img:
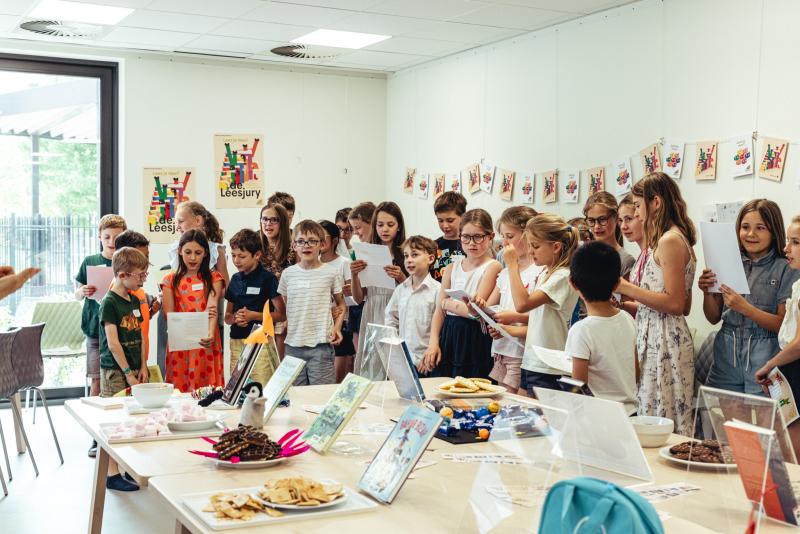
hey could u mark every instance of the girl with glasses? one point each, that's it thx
(601, 213)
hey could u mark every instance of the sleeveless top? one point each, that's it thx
(467, 281)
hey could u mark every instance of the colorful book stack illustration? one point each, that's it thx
(163, 189)
(238, 166)
(166, 197)
(773, 159)
(337, 412)
(705, 167)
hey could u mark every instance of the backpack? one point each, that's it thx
(586, 505)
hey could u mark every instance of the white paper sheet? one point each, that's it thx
(186, 329)
(456, 294)
(377, 257)
(664, 492)
(721, 250)
(557, 359)
(491, 322)
(100, 277)
(781, 391)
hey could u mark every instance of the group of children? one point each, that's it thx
(553, 284)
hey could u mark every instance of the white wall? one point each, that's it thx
(593, 91)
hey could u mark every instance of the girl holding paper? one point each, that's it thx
(194, 288)
(631, 227)
(750, 323)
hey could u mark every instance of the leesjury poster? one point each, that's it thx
(239, 170)
(164, 188)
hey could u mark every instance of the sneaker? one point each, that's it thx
(118, 482)
(129, 478)
(93, 449)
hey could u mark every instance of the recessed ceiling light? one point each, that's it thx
(340, 39)
(80, 12)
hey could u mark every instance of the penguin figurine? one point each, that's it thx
(253, 406)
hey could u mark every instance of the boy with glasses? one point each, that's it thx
(307, 288)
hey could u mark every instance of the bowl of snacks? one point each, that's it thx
(153, 395)
(652, 431)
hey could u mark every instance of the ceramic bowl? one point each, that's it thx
(153, 395)
(652, 431)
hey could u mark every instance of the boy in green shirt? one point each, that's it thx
(123, 359)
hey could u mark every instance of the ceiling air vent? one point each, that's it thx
(300, 51)
(57, 28)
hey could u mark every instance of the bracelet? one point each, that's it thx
(126, 371)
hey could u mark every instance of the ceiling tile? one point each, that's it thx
(423, 47)
(262, 30)
(353, 5)
(427, 9)
(229, 9)
(16, 7)
(9, 22)
(231, 44)
(375, 23)
(569, 6)
(297, 15)
(162, 20)
(135, 4)
(379, 59)
(504, 16)
(152, 37)
(461, 33)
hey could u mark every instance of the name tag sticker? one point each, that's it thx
(137, 313)
(198, 287)
(302, 284)
(253, 290)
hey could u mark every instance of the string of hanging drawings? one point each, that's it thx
(667, 155)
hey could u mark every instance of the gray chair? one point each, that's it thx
(8, 388)
(26, 358)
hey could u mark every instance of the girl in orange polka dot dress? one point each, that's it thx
(194, 288)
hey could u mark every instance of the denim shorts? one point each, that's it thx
(738, 354)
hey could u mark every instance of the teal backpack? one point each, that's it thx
(587, 505)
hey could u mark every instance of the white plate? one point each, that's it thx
(664, 453)
(185, 426)
(247, 465)
(498, 392)
(337, 502)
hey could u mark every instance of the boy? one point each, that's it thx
(249, 291)
(122, 353)
(449, 208)
(602, 345)
(411, 307)
(109, 228)
(306, 288)
(284, 199)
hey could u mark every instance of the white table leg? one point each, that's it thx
(98, 492)
(180, 528)
(17, 431)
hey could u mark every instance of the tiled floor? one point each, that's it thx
(58, 500)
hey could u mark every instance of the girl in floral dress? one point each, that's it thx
(194, 288)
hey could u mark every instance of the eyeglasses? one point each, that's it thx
(303, 243)
(270, 220)
(345, 229)
(477, 238)
(140, 276)
(600, 221)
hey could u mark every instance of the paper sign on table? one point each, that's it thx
(489, 458)
(491, 322)
(186, 329)
(377, 257)
(665, 492)
(781, 391)
(721, 250)
(100, 277)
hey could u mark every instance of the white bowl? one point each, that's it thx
(153, 395)
(652, 431)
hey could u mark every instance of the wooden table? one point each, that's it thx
(449, 497)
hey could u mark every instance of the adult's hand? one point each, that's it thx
(11, 281)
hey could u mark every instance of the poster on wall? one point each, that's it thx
(571, 185)
(506, 184)
(651, 159)
(673, 158)
(527, 184)
(239, 166)
(705, 160)
(453, 182)
(164, 188)
(742, 158)
(597, 179)
(623, 178)
(549, 189)
(408, 181)
(473, 178)
(438, 184)
(422, 185)
(487, 177)
(773, 158)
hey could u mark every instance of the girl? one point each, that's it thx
(664, 345)
(601, 213)
(458, 345)
(507, 354)
(344, 351)
(552, 242)
(750, 324)
(194, 287)
(345, 231)
(387, 228)
(631, 227)
(277, 254)
(359, 219)
(194, 216)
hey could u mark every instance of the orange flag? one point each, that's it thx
(266, 331)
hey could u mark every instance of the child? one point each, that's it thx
(194, 216)
(552, 242)
(387, 229)
(750, 323)
(345, 230)
(449, 208)
(123, 361)
(584, 232)
(458, 345)
(307, 288)
(247, 294)
(277, 253)
(345, 351)
(507, 354)
(286, 201)
(631, 227)
(109, 228)
(602, 217)
(360, 219)
(602, 345)
(664, 344)
(194, 287)
(412, 304)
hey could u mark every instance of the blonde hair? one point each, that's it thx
(112, 220)
(672, 212)
(607, 201)
(554, 229)
(210, 223)
(127, 259)
(516, 216)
